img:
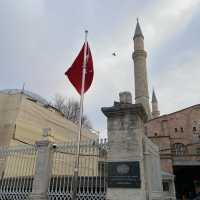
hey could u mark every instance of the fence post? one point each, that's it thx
(42, 170)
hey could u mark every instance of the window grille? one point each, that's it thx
(179, 149)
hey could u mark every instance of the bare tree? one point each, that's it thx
(71, 109)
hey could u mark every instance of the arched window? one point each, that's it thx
(194, 128)
(179, 149)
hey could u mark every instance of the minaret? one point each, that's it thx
(140, 71)
(155, 111)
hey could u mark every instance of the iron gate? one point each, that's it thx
(92, 181)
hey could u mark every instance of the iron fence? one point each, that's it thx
(17, 167)
(92, 182)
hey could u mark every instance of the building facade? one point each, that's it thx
(25, 117)
(178, 137)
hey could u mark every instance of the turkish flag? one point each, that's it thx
(74, 73)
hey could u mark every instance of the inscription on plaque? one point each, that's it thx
(124, 174)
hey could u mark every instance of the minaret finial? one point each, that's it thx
(138, 31)
(154, 99)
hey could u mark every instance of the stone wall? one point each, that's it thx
(182, 128)
(9, 109)
(22, 120)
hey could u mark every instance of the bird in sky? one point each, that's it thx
(114, 53)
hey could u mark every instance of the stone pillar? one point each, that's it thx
(42, 170)
(147, 160)
(125, 125)
(172, 189)
(152, 168)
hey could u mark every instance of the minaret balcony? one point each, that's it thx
(139, 53)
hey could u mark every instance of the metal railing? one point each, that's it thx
(17, 168)
(92, 171)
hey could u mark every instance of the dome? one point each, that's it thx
(27, 93)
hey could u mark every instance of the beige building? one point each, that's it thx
(24, 119)
(24, 116)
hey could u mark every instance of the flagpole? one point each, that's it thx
(76, 169)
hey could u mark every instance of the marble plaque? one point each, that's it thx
(125, 174)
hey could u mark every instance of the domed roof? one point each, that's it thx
(27, 93)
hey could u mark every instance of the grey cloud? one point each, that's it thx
(40, 39)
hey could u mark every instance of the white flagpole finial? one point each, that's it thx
(86, 33)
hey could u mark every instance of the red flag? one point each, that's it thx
(74, 73)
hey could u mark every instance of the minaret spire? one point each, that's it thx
(138, 31)
(154, 99)
(140, 71)
(155, 110)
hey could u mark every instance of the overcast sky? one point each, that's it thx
(39, 39)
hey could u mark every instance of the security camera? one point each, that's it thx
(54, 146)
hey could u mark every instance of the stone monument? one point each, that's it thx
(125, 124)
